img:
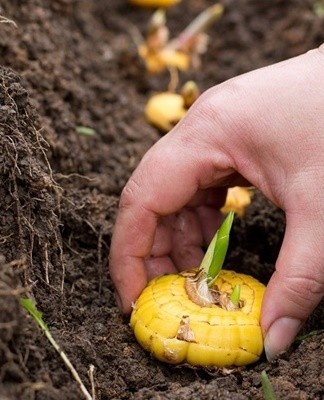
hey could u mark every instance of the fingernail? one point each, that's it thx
(280, 336)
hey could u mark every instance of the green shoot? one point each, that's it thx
(318, 8)
(301, 338)
(235, 295)
(215, 255)
(85, 131)
(30, 306)
(268, 392)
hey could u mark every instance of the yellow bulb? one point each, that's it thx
(237, 200)
(164, 110)
(154, 3)
(174, 329)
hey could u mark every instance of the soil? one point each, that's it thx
(69, 64)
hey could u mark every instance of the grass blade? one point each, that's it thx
(30, 306)
(268, 392)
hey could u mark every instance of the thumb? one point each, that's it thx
(297, 285)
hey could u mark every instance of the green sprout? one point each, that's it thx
(30, 306)
(301, 338)
(213, 260)
(318, 8)
(85, 130)
(235, 295)
(267, 388)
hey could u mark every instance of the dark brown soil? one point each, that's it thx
(72, 63)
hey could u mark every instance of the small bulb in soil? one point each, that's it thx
(175, 328)
(164, 110)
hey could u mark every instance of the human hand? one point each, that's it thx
(265, 128)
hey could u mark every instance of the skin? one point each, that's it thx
(264, 128)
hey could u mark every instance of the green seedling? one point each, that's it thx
(30, 306)
(213, 260)
(301, 338)
(267, 388)
(318, 8)
(85, 131)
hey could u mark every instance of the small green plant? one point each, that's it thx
(318, 8)
(30, 306)
(301, 338)
(85, 131)
(268, 391)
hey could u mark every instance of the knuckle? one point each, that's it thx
(217, 115)
(219, 102)
(228, 107)
(129, 193)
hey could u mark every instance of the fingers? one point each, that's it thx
(157, 266)
(206, 204)
(177, 244)
(296, 287)
(166, 180)
(129, 247)
(210, 220)
(187, 240)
